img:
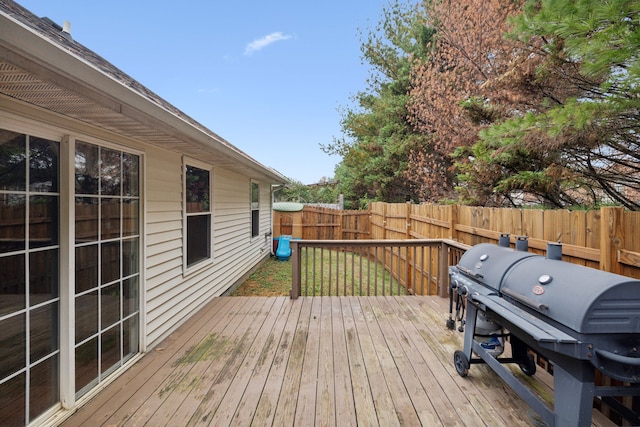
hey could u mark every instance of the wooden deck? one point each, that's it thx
(329, 361)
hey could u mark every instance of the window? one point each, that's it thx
(29, 283)
(198, 214)
(255, 209)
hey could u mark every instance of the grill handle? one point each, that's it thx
(625, 360)
(524, 299)
(470, 272)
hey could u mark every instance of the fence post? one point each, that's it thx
(384, 221)
(409, 258)
(453, 221)
(295, 270)
(611, 238)
(407, 207)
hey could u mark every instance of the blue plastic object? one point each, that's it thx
(284, 248)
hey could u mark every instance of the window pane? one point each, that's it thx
(43, 221)
(110, 172)
(197, 189)
(12, 284)
(86, 168)
(110, 305)
(110, 262)
(130, 336)
(110, 220)
(198, 238)
(86, 316)
(130, 302)
(43, 276)
(12, 222)
(255, 223)
(44, 386)
(12, 396)
(86, 219)
(130, 259)
(255, 195)
(13, 348)
(130, 217)
(43, 329)
(86, 363)
(13, 161)
(43, 165)
(130, 175)
(110, 356)
(86, 268)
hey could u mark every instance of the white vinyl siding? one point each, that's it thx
(172, 297)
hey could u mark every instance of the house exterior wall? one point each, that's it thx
(172, 294)
(169, 293)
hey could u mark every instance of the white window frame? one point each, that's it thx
(253, 208)
(189, 269)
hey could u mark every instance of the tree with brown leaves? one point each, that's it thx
(454, 93)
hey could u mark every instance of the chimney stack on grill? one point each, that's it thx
(522, 244)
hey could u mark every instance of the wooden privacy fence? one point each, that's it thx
(607, 239)
(329, 258)
(320, 223)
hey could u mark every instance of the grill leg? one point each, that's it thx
(573, 383)
(470, 329)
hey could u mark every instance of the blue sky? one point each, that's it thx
(268, 76)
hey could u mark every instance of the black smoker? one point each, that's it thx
(576, 317)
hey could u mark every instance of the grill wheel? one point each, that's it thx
(461, 362)
(528, 366)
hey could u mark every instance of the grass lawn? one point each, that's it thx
(272, 279)
(359, 277)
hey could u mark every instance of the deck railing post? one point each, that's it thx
(443, 270)
(295, 270)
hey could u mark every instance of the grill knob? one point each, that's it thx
(545, 279)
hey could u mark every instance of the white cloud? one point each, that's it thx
(265, 41)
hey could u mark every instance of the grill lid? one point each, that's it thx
(488, 263)
(585, 300)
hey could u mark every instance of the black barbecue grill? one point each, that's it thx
(575, 317)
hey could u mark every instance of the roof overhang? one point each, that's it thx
(42, 71)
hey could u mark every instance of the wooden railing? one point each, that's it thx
(372, 267)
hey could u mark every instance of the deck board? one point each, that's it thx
(325, 361)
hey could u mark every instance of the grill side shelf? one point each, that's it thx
(539, 330)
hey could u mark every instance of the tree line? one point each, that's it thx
(496, 103)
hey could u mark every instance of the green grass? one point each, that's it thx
(345, 273)
(273, 278)
(360, 277)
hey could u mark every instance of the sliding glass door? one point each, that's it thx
(101, 284)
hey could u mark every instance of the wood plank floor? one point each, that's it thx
(325, 361)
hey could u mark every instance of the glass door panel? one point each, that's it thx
(29, 277)
(107, 261)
